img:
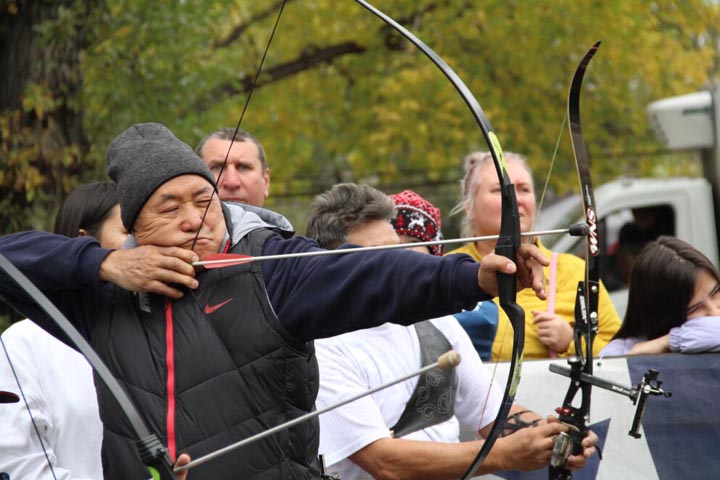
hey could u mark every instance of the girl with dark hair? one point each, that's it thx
(673, 304)
(56, 381)
(92, 210)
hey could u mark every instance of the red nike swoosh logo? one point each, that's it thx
(211, 308)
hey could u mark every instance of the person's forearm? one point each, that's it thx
(60, 267)
(657, 345)
(696, 335)
(397, 458)
(364, 290)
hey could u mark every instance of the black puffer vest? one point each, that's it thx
(235, 372)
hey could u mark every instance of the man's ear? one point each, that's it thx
(266, 177)
(83, 233)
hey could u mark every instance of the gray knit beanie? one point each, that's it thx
(144, 157)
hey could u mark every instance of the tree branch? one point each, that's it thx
(308, 58)
(238, 31)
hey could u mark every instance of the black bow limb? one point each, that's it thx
(507, 244)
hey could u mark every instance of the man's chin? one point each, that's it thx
(202, 247)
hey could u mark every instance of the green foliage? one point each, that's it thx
(387, 113)
(381, 114)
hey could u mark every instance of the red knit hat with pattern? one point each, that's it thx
(416, 217)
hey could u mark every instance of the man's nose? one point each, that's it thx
(230, 178)
(191, 219)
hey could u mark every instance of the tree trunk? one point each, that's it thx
(42, 141)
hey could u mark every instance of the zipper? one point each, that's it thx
(170, 382)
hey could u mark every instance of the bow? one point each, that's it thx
(586, 303)
(152, 453)
(586, 314)
(509, 239)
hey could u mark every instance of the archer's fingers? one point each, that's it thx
(531, 252)
(176, 265)
(494, 263)
(490, 266)
(590, 440)
(183, 459)
(576, 462)
(184, 255)
(530, 275)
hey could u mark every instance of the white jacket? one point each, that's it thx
(58, 385)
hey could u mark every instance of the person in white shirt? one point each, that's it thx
(388, 435)
(55, 380)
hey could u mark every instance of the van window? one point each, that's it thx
(622, 234)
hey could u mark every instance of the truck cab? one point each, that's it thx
(633, 212)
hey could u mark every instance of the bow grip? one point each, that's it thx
(155, 456)
(508, 242)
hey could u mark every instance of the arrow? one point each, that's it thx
(219, 260)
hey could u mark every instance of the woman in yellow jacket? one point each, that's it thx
(548, 323)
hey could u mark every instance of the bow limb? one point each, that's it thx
(509, 239)
(586, 308)
(151, 451)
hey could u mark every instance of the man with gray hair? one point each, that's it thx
(214, 356)
(245, 175)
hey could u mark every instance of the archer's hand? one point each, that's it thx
(554, 332)
(529, 267)
(151, 269)
(183, 459)
(528, 448)
(576, 462)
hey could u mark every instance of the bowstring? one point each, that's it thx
(242, 116)
(254, 404)
(552, 163)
